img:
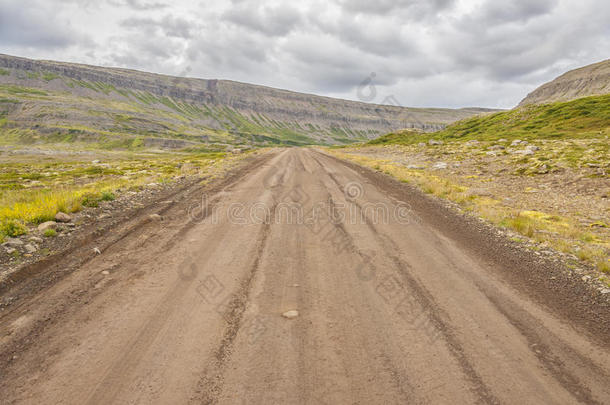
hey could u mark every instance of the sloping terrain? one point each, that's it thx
(53, 101)
(587, 117)
(538, 171)
(398, 300)
(586, 81)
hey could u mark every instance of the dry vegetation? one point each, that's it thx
(551, 192)
(36, 184)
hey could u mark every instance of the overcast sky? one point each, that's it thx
(441, 53)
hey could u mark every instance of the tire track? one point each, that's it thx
(68, 262)
(151, 336)
(435, 314)
(520, 319)
(211, 384)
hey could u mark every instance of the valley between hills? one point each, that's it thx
(207, 241)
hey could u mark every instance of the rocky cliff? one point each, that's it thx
(121, 102)
(590, 80)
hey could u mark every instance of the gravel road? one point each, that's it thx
(398, 301)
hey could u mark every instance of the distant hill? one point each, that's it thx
(586, 81)
(50, 101)
(586, 117)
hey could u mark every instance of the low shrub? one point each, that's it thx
(107, 196)
(90, 200)
(50, 233)
(13, 228)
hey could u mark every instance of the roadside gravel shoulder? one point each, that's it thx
(545, 277)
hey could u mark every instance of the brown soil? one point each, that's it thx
(427, 307)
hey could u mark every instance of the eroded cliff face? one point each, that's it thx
(198, 107)
(590, 80)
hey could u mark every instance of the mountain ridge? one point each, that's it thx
(205, 109)
(589, 80)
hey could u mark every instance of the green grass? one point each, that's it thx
(33, 189)
(49, 233)
(4, 72)
(47, 76)
(107, 196)
(404, 137)
(12, 228)
(19, 90)
(563, 233)
(582, 118)
(524, 225)
(91, 200)
(142, 114)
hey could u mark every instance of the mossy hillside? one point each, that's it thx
(130, 112)
(582, 118)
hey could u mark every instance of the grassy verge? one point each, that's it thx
(34, 188)
(562, 233)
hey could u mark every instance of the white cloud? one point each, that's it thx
(425, 53)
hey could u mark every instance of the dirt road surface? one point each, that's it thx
(399, 301)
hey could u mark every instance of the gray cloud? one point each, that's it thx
(522, 38)
(425, 53)
(271, 20)
(516, 11)
(231, 52)
(370, 35)
(140, 5)
(404, 8)
(36, 26)
(170, 26)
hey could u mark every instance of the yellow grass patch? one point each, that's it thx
(561, 233)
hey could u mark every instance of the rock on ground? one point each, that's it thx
(13, 242)
(47, 225)
(291, 314)
(155, 217)
(62, 217)
(439, 165)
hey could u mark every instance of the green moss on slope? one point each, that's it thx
(582, 118)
